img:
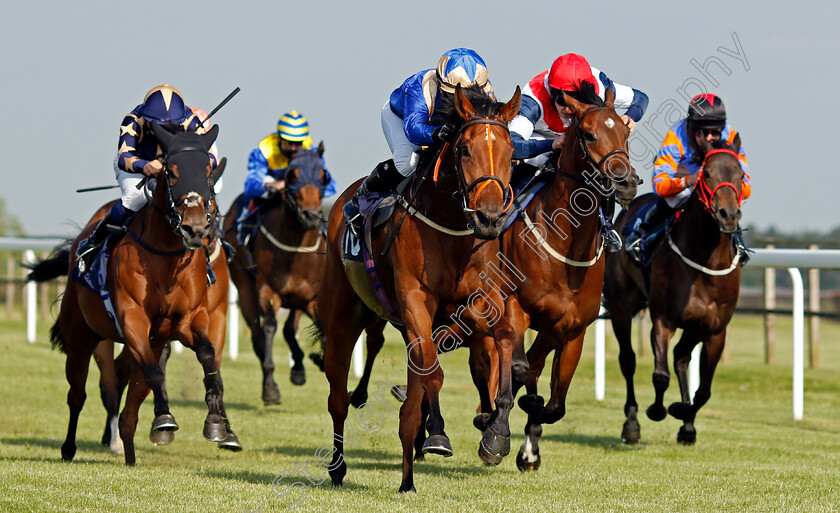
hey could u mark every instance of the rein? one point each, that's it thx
(703, 269)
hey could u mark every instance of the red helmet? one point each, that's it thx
(568, 71)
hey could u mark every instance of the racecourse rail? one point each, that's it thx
(792, 259)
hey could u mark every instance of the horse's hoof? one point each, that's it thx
(214, 431)
(271, 395)
(529, 464)
(681, 411)
(493, 448)
(165, 422)
(68, 451)
(656, 412)
(531, 404)
(358, 397)
(481, 420)
(161, 437)
(630, 433)
(297, 377)
(230, 443)
(438, 444)
(337, 474)
(687, 436)
(407, 489)
(318, 360)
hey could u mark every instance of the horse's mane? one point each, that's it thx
(585, 92)
(720, 144)
(484, 104)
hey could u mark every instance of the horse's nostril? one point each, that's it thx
(481, 218)
(723, 214)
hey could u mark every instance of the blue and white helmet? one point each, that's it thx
(165, 104)
(462, 66)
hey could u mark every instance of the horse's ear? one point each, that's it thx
(609, 98)
(325, 177)
(217, 171)
(321, 149)
(463, 106)
(511, 108)
(163, 136)
(736, 144)
(292, 176)
(209, 137)
(576, 106)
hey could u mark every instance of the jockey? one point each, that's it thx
(140, 156)
(408, 123)
(268, 161)
(677, 163)
(544, 117)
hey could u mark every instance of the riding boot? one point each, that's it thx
(383, 179)
(87, 248)
(638, 242)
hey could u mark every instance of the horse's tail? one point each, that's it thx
(57, 337)
(55, 266)
(315, 334)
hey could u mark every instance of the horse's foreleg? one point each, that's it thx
(110, 393)
(76, 370)
(297, 374)
(484, 364)
(264, 346)
(622, 325)
(374, 340)
(495, 443)
(137, 392)
(682, 356)
(709, 358)
(660, 336)
(411, 414)
(566, 358)
(538, 352)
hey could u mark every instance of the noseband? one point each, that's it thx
(463, 188)
(596, 164)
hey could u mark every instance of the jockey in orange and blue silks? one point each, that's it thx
(677, 162)
(140, 156)
(543, 117)
(267, 162)
(677, 166)
(409, 124)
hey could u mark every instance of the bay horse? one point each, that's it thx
(288, 258)
(694, 285)
(429, 271)
(158, 285)
(557, 242)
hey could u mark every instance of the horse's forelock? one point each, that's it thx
(484, 105)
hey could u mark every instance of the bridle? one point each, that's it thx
(464, 189)
(597, 165)
(704, 193)
(171, 214)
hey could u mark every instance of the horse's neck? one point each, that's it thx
(579, 218)
(698, 232)
(156, 230)
(284, 224)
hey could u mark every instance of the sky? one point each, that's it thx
(72, 70)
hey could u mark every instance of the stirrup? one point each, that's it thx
(612, 241)
(634, 250)
(84, 252)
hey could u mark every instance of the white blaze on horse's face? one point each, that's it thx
(609, 122)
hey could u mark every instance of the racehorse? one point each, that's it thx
(694, 285)
(287, 259)
(427, 271)
(557, 242)
(157, 284)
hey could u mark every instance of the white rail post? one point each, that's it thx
(31, 300)
(359, 357)
(600, 355)
(233, 322)
(694, 370)
(798, 342)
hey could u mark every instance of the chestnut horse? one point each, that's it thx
(694, 285)
(428, 272)
(557, 242)
(158, 287)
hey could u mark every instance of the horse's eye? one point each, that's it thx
(589, 136)
(465, 152)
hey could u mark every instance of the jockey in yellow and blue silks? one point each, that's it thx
(409, 124)
(139, 156)
(678, 162)
(268, 161)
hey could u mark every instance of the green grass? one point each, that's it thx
(750, 454)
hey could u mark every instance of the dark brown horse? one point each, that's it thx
(694, 285)
(557, 243)
(429, 271)
(288, 259)
(158, 284)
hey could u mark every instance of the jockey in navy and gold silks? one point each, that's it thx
(268, 161)
(139, 155)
